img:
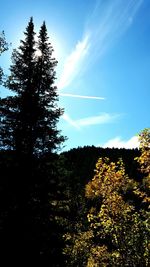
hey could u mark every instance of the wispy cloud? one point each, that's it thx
(100, 119)
(72, 122)
(117, 142)
(106, 23)
(82, 96)
(72, 62)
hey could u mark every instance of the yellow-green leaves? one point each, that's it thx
(117, 229)
(144, 159)
(121, 229)
(109, 178)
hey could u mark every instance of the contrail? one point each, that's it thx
(83, 96)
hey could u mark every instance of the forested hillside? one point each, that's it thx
(82, 160)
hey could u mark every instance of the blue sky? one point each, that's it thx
(103, 72)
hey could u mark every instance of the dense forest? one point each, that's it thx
(88, 206)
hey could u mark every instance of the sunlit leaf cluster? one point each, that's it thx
(118, 217)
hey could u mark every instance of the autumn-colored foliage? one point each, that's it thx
(117, 229)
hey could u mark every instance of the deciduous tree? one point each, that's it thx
(117, 231)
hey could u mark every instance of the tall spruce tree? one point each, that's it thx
(28, 127)
(49, 113)
(29, 118)
(15, 110)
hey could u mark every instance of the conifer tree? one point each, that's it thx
(28, 127)
(49, 113)
(29, 118)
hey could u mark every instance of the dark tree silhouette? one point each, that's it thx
(28, 132)
(29, 118)
(3, 48)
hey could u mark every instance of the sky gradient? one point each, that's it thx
(103, 72)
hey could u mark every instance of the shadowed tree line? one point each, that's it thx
(57, 209)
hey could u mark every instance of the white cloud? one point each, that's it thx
(117, 142)
(73, 62)
(100, 119)
(67, 118)
(93, 120)
(82, 96)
